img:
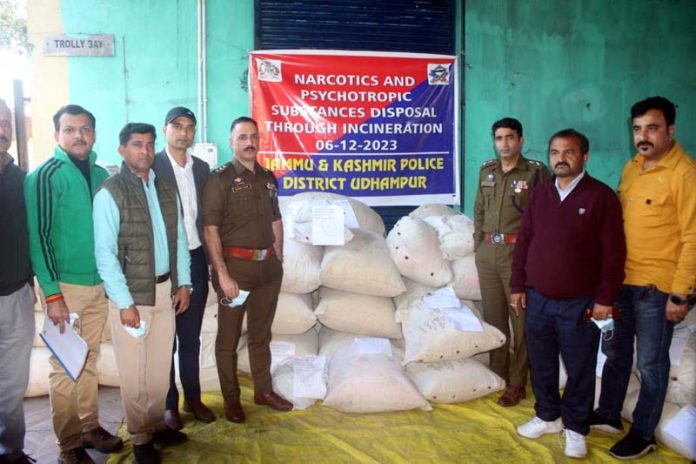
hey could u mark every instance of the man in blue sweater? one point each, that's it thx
(567, 267)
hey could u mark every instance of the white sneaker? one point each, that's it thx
(575, 444)
(537, 427)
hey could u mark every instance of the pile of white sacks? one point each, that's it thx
(382, 324)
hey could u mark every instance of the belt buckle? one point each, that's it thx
(259, 255)
(498, 239)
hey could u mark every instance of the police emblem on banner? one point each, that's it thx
(269, 70)
(438, 74)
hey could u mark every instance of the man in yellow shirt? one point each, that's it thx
(658, 196)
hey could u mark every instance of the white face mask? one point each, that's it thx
(236, 302)
(606, 326)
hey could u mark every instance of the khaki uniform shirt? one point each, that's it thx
(242, 204)
(502, 197)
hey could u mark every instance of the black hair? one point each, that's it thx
(73, 110)
(241, 120)
(655, 103)
(508, 123)
(135, 128)
(572, 134)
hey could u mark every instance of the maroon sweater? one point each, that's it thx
(571, 249)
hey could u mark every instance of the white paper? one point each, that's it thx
(237, 301)
(462, 319)
(139, 332)
(68, 347)
(327, 225)
(442, 298)
(350, 220)
(280, 351)
(308, 381)
(680, 338)
(373, 345)
(601, 359)
(683, 427)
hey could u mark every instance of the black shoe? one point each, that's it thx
(76, 455)
(169, 437)
(632, 446)
(146, 454)
(598, 422)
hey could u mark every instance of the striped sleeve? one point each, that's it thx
(41, 200)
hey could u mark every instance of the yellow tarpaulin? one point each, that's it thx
(477, 431)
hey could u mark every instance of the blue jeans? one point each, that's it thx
(556, 327)
(643, 316)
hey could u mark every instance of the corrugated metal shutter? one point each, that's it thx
(416, 26)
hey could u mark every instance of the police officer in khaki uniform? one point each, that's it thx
(504, 187)
(244, 235)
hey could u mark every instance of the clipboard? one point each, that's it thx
(68, 347)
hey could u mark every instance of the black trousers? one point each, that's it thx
(188, 334)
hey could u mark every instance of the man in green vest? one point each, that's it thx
(142, 255)
(59, 214)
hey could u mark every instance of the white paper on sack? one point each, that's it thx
(309, 380)
(280, 351)
(442, 298)
(373, 345)
(327, 225)
(462, 319)
(682, 428)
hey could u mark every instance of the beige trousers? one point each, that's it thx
(144, 364)
(75, 405)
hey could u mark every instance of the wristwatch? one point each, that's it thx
(188, 287)
(677, 300)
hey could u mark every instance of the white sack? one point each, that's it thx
(301, 267)
(294, 315)
(360, 314)
(304, 345)
(454, 381)
(368, 218)
(331, 341)
(681, 388)
(455, 234)
(414, 291)
(284, 384)
(415, 249)
(362, 266)
(39, 368)
(367, 383)
(430, 337)
(432, 209)
(466, 282)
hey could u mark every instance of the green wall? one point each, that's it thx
(155, 65)
(569, 63)
(575, 63)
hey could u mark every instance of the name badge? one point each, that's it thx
(487, 183)
(238, 184)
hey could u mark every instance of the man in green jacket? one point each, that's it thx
(59, 197)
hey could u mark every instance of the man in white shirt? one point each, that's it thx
(188, 174)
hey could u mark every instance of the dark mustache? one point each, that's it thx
(249, 148)
(645, 142)
(562, 163)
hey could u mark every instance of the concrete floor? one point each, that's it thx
(40, 441)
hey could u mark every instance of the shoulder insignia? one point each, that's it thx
(490, 162)
(222, 168)
(535, 163)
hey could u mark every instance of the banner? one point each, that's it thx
(380, 127)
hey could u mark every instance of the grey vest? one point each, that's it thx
(135, 238)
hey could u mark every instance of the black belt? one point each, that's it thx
(162, 278)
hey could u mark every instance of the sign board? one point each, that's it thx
(377, 126)
(79, 45)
